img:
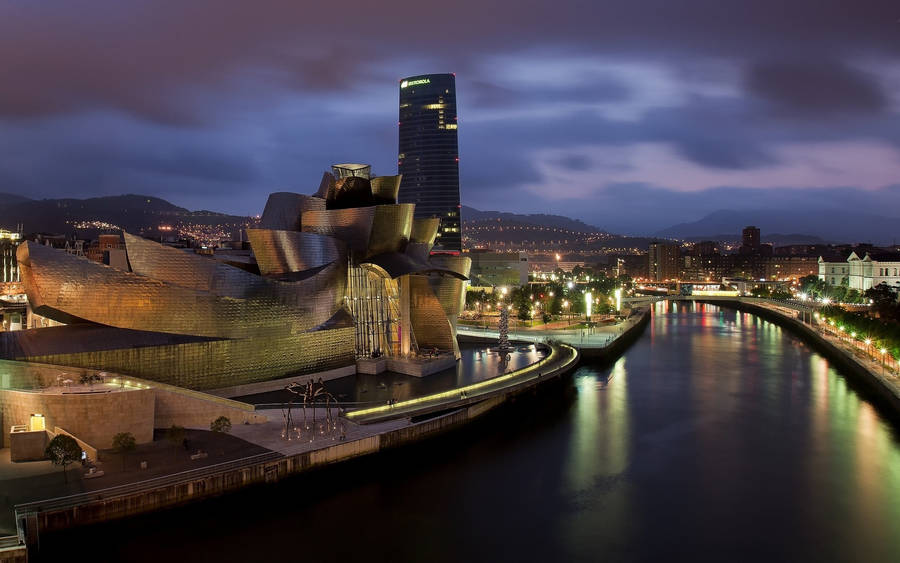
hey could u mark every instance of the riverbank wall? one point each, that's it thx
(38, 518)
(634, 328)
(878, 386)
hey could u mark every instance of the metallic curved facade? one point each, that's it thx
(283, 210)
(334, 284)
(280, 252)
(425, 230)
(386, 188)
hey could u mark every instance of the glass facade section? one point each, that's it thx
(428, 153)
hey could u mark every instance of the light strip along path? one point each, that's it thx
(562, 357)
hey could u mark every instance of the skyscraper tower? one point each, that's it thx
(428, 153)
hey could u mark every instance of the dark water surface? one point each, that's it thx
(716, 437)
(476, 363)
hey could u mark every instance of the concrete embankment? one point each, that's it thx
(35, 519)
(880, 387)
(634, 328)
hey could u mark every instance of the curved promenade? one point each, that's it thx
(561, 359)
(369, 431)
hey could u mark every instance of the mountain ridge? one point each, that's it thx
(132, 212)
(843, 226)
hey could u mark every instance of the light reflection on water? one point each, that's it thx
(716, 437)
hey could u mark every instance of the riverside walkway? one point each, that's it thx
(561, 358)
(585, 340)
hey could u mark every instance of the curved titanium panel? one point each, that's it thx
(390, 228)
(451, 293)
(424, 230)
(429, 322)
(395, 264)
(283, 210)
(186, 268)
(418, 251)
(97, 293)
(353, 226)
(318, 296)
(284, 252)
(326, 185)
(461, 265)
(385, 189)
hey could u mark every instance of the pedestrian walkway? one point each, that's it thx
(561, 358)
(597, 337)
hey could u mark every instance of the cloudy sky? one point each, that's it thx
(630, 115)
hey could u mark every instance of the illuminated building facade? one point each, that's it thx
(428, 154)
(9, 271)
(337, 276)
(874, 268)
(663, 261)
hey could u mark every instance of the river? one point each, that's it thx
(717, 437)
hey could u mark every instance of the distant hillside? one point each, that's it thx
(832, 226)
(12, 198)
(556, 221)
(541, 232)
(135, 213)
(776, 239)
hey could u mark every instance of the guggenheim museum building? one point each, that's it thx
(337, 277)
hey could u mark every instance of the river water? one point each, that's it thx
(716, 437)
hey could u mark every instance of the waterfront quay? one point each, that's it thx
(308, 439)
(597, 342)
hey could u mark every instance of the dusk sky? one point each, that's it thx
(629, 115)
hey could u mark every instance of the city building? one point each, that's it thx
(499, 268)
(662, 261)
(340, 276)
(750, 240)
(428, 154)
(874, 268)
(9, 241)
(788, 267)
(705, 248)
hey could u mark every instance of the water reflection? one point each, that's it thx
(717, 437)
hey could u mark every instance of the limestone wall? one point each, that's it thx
(27, 446)
(196, 411)
(93, 417)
